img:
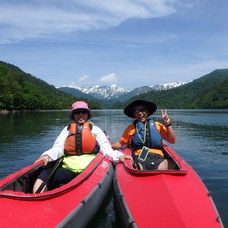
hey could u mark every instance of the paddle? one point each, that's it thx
(135, 159)
(45, 182)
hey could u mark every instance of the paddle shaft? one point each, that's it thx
(135, 159)
(45, 182)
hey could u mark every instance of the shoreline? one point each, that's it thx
(5, 111)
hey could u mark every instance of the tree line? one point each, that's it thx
(22, 91)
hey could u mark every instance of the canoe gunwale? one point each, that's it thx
(126, 216)
(49, 194)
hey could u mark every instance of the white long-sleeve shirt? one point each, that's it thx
(58, 148)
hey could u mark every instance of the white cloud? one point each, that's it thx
(21, 20)
(110, 78)
(83, 78)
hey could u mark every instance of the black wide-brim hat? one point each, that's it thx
(151, 107)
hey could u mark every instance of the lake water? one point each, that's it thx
(201, 140)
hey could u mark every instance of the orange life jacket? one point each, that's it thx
(80, 140)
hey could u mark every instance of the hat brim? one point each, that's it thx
(151, 107)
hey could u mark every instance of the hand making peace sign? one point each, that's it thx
(165, 117)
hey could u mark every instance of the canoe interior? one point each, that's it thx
(177, 166)
(24, 182)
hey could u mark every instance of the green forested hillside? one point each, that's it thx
(217, 97)
(22, 91)
(209, 91)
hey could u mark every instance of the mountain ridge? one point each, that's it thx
(115, 92)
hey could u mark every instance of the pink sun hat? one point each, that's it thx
(79, 105)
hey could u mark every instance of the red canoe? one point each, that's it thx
(161, 199)
(71, 205)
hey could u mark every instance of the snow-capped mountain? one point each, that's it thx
(168, 85)
(115, 92)
(145, 89)
(103, 92)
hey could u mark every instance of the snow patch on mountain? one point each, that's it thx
(169, 85)
(114, 92)
(103, 92)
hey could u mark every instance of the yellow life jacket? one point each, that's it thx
(80, 140)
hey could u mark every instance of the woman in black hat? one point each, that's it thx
(145, 136)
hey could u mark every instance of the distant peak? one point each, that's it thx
(114, 91)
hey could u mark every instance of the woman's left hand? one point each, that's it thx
(44, 158)
(165, 117)
(123, 157)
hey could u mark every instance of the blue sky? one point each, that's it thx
(130, 43)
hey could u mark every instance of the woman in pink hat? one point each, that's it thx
(80, 138)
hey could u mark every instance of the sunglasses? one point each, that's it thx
(78, 111)
(138, 110)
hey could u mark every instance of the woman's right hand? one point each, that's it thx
(44, 158)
